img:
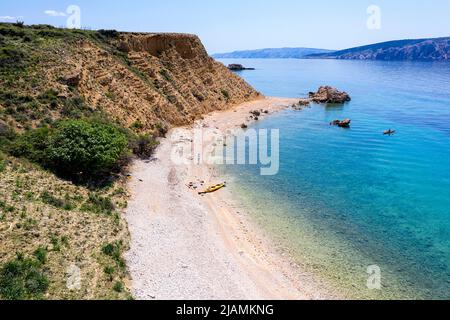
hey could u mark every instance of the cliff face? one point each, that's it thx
(420, 50)
(151, 80)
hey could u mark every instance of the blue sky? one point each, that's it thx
(250, 24)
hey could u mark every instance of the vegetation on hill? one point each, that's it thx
(75, 107)
(418, 49)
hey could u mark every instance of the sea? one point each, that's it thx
(367, 214)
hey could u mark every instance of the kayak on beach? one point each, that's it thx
(214, 188)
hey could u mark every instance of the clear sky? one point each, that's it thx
(249, 24)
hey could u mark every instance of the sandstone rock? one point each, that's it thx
(329, 95)
(72, 79)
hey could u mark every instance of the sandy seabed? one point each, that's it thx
(190, 247)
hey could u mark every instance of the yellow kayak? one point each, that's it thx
(214, 188)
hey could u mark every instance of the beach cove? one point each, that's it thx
(185, 246)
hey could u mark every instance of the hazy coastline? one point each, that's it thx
(184, 246)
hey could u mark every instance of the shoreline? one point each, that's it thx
(186, 246)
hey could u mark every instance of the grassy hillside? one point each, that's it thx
(75, 107)
(278, 53)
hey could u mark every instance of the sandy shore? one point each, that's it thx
(187, 246)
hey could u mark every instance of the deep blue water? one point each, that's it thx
(350, 198)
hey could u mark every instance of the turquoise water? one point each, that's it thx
(345, 199)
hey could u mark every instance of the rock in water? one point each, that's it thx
(342, 124)
(329, 95)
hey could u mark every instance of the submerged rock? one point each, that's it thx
(304, 102)
(73, 78)
(329, 95)
(342, 124)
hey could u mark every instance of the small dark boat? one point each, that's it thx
(389, 132)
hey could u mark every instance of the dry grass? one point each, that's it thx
(39, 211)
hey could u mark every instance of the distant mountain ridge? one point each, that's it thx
(435, 49)
(272, 53)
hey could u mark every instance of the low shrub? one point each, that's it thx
(32, 145)
(41, 255)
(108, 33)
(226, 94)
(19, 24)
(50, 199)
(22, 278)
(114, 250)
(7, 135)
(118, 287)
(137, 125)
(8, 30)
(48, 96)
(109, 271)
(162, 129)
(11, 58)
(143, 146)
(3, 162)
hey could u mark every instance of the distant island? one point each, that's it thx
(437, 49)
(271, 53)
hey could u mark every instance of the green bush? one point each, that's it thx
(9, 30)
(109, 271)
(41, 255)
(118, 287)
(11, 58)
(79, 146)
(32, 145)
(22, 278)
(3, 162)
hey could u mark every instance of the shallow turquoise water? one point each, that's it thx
(347, 199)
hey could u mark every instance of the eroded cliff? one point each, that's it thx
(63, 233)
(141, 79)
